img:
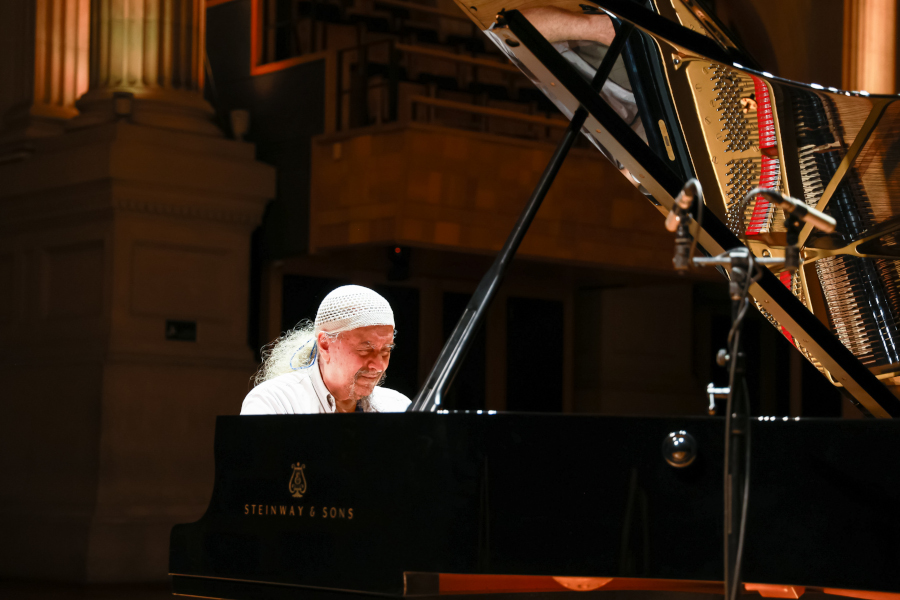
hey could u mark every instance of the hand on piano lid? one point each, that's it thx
(560, 25)
(583, 39)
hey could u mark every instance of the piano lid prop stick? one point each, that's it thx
(431, 395)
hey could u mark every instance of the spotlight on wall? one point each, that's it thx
(240, 123)
(399, 259)
(123, 104)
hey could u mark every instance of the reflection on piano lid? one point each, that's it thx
(698, 109)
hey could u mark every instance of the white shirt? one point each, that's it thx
(304, 392)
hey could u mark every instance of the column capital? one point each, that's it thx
(168, 109)
(147, 59)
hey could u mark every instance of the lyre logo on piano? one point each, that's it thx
(297, 485)
(297, 488)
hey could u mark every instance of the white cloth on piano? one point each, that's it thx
(303, 392)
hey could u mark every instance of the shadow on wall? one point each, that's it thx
(799, 40)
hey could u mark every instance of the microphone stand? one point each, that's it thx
(744, 269)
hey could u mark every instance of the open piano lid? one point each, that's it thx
(688, 104)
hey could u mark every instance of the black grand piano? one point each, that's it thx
(437, 503)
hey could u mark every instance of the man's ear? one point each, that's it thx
(324, 343)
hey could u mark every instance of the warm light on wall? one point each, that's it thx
(61, 56)
(870, 45)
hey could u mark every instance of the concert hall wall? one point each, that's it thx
(286, 109)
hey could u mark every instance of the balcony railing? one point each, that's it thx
(387, 81)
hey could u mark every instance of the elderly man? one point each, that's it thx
(335, 365)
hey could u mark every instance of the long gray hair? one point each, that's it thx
(294, 350)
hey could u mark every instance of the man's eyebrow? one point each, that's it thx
(371, 345)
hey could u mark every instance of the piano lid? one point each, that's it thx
(685, 100)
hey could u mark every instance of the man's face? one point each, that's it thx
(354, 363)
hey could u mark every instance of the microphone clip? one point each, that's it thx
(678, 221)
(682, 258)
(793, 224)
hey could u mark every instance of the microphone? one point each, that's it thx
(683, 202)
(678, 221)
(798, 209)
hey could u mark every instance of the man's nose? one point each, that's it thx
(378, 363)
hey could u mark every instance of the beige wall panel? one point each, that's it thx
(72, 285)
(174, 159)
(62, 287)
(49, 450)
(51, 546)
(179, 281)
(51, 414)
(181, 269)
(158, 446)
(7, 290)
(156, 460)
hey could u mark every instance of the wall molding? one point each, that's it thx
(99, 202)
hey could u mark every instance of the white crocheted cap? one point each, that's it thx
(353, 306)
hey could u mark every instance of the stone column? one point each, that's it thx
(870, 45)
(52, 36)
(147, 64)
(125, 270)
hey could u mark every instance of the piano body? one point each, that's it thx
(428, 504)
(433, 503)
